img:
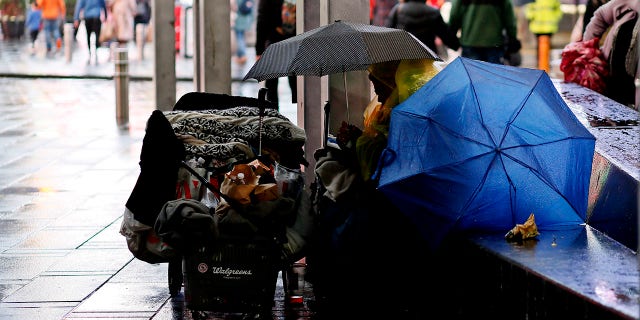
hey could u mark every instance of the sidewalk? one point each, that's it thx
(66, 171)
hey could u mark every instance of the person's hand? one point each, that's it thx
(76, 23)
(258, 57)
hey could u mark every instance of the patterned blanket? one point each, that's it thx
(225, 136)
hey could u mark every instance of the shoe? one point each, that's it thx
(58, 44)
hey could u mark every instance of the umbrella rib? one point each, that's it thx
(475, 95)
(536, 172)
(478, 187)
(458, 135)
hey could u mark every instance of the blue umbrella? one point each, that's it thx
(480, 147)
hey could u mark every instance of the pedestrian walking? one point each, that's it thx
(590, 7)
(243, 20)
(617, 22)
(92, 12)
(424, 22)
(275, 22)
(381, 9)
(70, 6)
(544, 17)
(142, 17)
(123, 12)
(53, 12)
(34, 24)
(483, 25)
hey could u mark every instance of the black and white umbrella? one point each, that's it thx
(337, 47)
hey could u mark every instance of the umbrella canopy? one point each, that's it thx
(335, 48)
(481, 146)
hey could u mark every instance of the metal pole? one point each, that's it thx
(121, 77)
(544, 47)
(68, 40)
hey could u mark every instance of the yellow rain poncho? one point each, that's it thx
(393, 82)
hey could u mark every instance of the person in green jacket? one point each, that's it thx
(484, 26)
(544, 17)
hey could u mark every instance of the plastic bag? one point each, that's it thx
(583, 63)
(413, 74)
(143, 241)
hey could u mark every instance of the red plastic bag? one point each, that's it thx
(583, 63)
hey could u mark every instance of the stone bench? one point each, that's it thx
(587, 273)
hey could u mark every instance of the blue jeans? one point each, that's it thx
(241, 44)
(493, 55)
(51, 29)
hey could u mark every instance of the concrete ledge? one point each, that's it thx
(615, 176)
(582, 273)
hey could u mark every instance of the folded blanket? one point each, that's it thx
(234, 133)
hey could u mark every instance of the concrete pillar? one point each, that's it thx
(310, 99)
(358, 84)
(121, 77)
(68, 41)
(186, 32)
(214, 48)
(197, 79)
(164, 66)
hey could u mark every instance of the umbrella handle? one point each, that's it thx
(262, 96)
(386, 156)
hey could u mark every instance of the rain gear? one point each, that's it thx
(543, 16)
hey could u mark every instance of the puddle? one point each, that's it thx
(607, 122)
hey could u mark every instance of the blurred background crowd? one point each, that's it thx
(497, 31)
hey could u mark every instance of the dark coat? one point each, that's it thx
(424, 22)
(269, 18)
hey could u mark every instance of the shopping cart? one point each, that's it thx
(236, 273)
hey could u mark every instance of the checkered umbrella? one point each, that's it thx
(337, 47)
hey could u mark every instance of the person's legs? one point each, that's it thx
(56, 34)
(33, 35)
(293, 84)
(89, 28)
(49, 27)
(494, 55)
(92, 25)
(272, 90)
(241, 46)
(471, 53)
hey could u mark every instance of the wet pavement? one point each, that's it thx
(66, 170)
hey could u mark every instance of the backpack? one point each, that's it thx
(245, 7)
(289, 17)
